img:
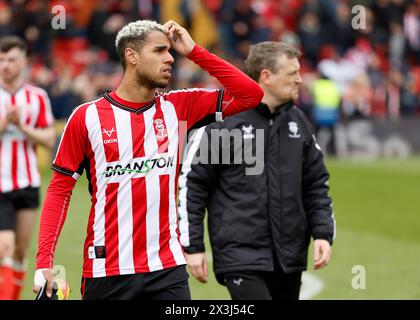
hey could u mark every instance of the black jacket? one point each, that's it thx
(254, 219)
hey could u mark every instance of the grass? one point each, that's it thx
(377, 212)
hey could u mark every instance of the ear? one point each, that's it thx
(131, 56)
(265, 76)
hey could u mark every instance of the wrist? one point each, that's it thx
(39, 278)
(193, 51)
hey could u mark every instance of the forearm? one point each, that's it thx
(53, 215)
(45, 137)
(237, 84)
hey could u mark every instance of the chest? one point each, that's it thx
(127, 139)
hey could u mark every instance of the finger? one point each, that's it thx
(319, 265)
(168, 23)
(202, 277)
(49, 288)
(326, 254)
(173, 32)
(194, 271)
(203, 273)
(36, 289)
(316, 252)
(323, 261)
(205, 268)
(197, 273)
(168, 26)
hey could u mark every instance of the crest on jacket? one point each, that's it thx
(247, 132)
(293, 130)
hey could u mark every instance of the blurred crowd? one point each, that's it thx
(363, 55)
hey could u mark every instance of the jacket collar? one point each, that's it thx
(265, 111)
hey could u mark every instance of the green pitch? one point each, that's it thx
(376, 205)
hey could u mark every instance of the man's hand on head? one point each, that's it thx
(179, 38)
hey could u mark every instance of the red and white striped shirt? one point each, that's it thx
(18, 161)
(130, 152)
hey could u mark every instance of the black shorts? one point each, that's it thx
(168, 284)
(11, 202)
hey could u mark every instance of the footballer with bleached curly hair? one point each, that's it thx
(128, 143)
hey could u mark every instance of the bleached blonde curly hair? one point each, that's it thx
(132, 36)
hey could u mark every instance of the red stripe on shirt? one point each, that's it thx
(161, 132)
(139, 203)
(28, 96)
(165, 252)
(42, 116)
(111, 229)
(137, 132)
(13, 100)
(15, 165)
(109, 130)
(28, 110)
(28, 167)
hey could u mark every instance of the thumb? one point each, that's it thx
(205, 268)
(316, 252)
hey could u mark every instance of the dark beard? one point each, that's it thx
(143, 80)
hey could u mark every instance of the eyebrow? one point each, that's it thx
(162, 46)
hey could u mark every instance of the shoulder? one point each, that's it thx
(248, 116)
(300, 116)
(36, 90)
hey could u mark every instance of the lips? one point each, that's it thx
(167, 71)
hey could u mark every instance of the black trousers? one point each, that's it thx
(257, 285)
(168, 284)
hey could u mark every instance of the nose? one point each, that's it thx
(169, 58)
(299, 79)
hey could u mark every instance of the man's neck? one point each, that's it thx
(129, 90)
(13, 85)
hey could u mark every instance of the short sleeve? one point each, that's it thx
(45, 117)
(73, 144)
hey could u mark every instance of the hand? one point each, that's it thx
(13, 115)
(197, 264)
(42, 275)
(179, 38)
(322, 253)
(3, 124)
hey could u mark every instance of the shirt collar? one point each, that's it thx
(264, 110)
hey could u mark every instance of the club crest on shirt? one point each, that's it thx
(293, 128)
(160, 129)
(247, 132)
